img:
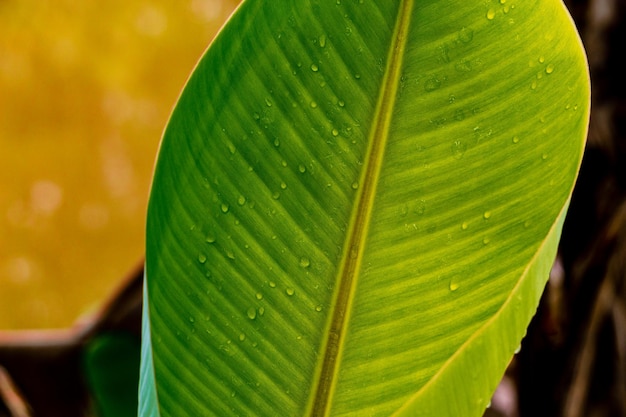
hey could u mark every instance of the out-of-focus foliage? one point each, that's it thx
(85, 90)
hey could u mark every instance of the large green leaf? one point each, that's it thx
(356, 205)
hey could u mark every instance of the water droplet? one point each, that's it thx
(541, 59)
(466, 35)
(357, 76)
(276, 143)
(335, 132)
(230, 254)
(515, 139)
(502, 1)
(210, 239)
(544, 156)
(272, 284)
(305, 262)
(191, 320)
(290, 291)
(355, 185)
(314, 68)
(458, 149)
(268, 102)
(201, 258)
(276, 195)
(259, 296)
(318, 308)
(486, 214)
(241, 200)
(491, 14)
(251, 313)
(486, 241)
(322, 41)
(283, 163)
(533, 85)
(341, 103)
(301, 168)
(432, 84)
(549, 69)
(314, 104)
(261, 311)
(242, 337)
(518, 349)
(225, 207)
(464, 226)
(283, 185)
(453, 286)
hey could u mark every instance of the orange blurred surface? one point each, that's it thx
(85, 91)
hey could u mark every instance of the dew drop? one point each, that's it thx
(550, 69)
(261, 311)
(458, 149)
(491, 14)
(335, 132)
(191, 320)
(322, 41)
(518, 349)
(432, 84)
(541, 59)
(464, 226)
(290, 291)
(283, 163)
(241, 200)
(544, 156)
(230, 254)
(201, 258)
(515, 139)
(314, 68)
(276, 195)
(301, 168)
(272, 284)
(268, 102)
(453, 286)
(314, 105)
(242, 337)
(341, 103)
(486, 214)
(486, 241)
(318, 308)
(225, 207)
(283, 185)
(259, 296)
(210, 239)
(305, 262)
(533, 85)
(355, 185)
(276, 143)
(251, 313)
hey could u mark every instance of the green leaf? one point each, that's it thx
(356, 206)
(111, 363)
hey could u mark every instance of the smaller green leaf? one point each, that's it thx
(111, 364)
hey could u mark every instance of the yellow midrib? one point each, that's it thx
(321, 399)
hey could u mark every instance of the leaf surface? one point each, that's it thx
(356, 206)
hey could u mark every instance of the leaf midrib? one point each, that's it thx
(321, 399)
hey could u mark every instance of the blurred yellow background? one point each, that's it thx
(85, 91)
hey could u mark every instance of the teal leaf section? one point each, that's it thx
(356, 205)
